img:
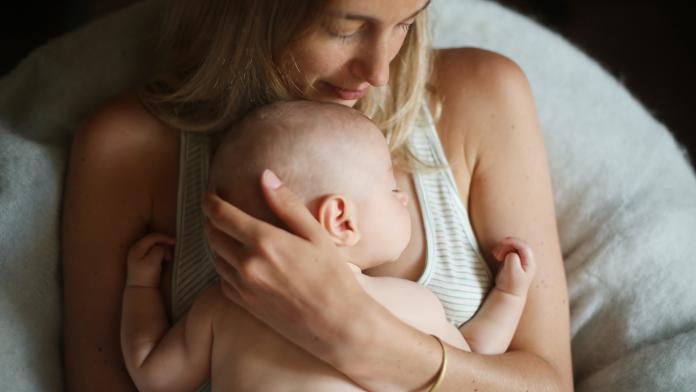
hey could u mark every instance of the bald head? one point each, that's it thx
(315, 148)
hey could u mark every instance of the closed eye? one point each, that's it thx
(406, 26)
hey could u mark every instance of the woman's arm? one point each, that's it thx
(106, 208)
(489, 112)
(511, 193)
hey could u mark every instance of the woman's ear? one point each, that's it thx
(339, 218)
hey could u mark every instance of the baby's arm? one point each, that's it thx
(492, 328)
(159, 358)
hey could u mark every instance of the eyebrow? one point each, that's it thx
(371, 19)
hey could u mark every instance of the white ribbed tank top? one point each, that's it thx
(454, 269)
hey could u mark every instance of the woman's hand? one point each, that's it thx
(298, 282)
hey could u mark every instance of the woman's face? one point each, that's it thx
(349, 49)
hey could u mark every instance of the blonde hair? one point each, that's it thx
(223, 58)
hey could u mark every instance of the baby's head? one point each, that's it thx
(334, 158)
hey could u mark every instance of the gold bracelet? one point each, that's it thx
(443, 367)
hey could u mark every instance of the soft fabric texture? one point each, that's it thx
(625, 194)
(454, 269)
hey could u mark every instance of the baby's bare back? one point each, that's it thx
(249, 356)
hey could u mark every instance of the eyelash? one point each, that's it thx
(406, 26)
(343, 38)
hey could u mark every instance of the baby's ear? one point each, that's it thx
(338, 215)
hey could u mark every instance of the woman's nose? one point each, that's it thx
(373, 65)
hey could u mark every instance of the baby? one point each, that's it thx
(338, 161)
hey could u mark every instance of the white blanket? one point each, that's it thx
(625, 195)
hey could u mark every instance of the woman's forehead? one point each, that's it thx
(381, 11)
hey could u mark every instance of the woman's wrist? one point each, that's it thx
(347, 341)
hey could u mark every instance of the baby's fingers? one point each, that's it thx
(141, 248)
(511, 244)
(513, 263)
(156, 254)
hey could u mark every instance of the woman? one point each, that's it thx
(225, 57)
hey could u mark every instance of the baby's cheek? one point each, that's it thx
(407, 227)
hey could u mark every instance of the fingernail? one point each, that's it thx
(270, 179)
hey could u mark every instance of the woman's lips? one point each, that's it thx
(347, 95)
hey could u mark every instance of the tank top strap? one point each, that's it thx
(192, 270)
(454, 269)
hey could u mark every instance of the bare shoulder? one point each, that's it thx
(211, 301)
(467, 73)
(123, 126)
(474, 86)
(123, 143)
(408, 300)
(489, 117)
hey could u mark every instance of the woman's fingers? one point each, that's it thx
(230, 249)
(248, 230)
(231, 293)
(226, 271)
(290, 208)
(231, 284)
(232, 221)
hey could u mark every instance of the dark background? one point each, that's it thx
(644, 44)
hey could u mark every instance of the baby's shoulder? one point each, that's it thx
(403, 297)
(211, 304)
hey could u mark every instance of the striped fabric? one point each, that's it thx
(454, 270)
(193, 269)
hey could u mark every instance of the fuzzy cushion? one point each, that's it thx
(625, 194)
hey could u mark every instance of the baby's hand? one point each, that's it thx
(518, 266)
(145, 259)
